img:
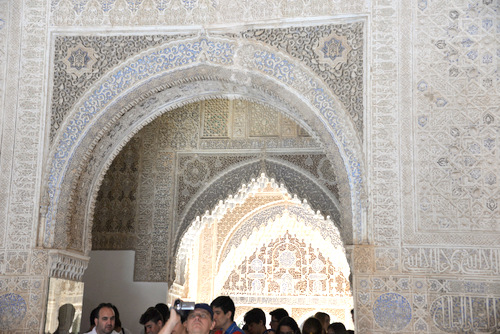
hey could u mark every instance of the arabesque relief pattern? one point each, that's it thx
(219, 53)
(23, 269)
(186, 12)
(79, 61)
(334, 52)
(457, 120)
(287, 265)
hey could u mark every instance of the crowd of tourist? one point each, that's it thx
(216, 318)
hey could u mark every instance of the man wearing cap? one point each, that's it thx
(223, 307)
(199, 321)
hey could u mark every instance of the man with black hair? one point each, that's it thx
(152, 320)
(164, 310)
(276, 316)
(223, 307)
(256, 321)
(104, 319)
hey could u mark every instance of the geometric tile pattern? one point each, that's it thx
(458, 119)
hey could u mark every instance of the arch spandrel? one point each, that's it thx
(103, 121)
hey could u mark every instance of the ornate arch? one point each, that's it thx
(297, 181)
(164, 78)
(230, 238)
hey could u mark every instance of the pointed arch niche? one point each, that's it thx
(265, 248)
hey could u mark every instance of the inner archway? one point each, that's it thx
(264, 246)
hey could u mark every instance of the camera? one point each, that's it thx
(183, 308)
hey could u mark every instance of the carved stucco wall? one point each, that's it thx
(432, 90)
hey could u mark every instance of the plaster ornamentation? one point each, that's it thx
(79, 60)
(288, 266)
(215, 122)
(427, 304)
(188, 12)
(333, 52)
(203, 43)
(451, 260)
(22, 89)
(14, 309)
(392, 311)
(454, 122)
(98, 55)
(18, 295)
(429, 136)
(384, 123)
(114, 224)
(65, 265)
(4, 118)
(363, 259)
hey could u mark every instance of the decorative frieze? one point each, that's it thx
(152, 13)
(451, 260)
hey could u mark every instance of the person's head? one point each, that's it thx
(312, 326)
(223, 307)
(93, 315)
(287, 326)
(164, 310)
(336, 328)
(105, 319)
(65, 317)
(276, 316)
(152, 320)
(200, 320)
(118, 323)
(324, 319)
(256, 321)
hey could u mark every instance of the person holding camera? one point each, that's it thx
(199, 319)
